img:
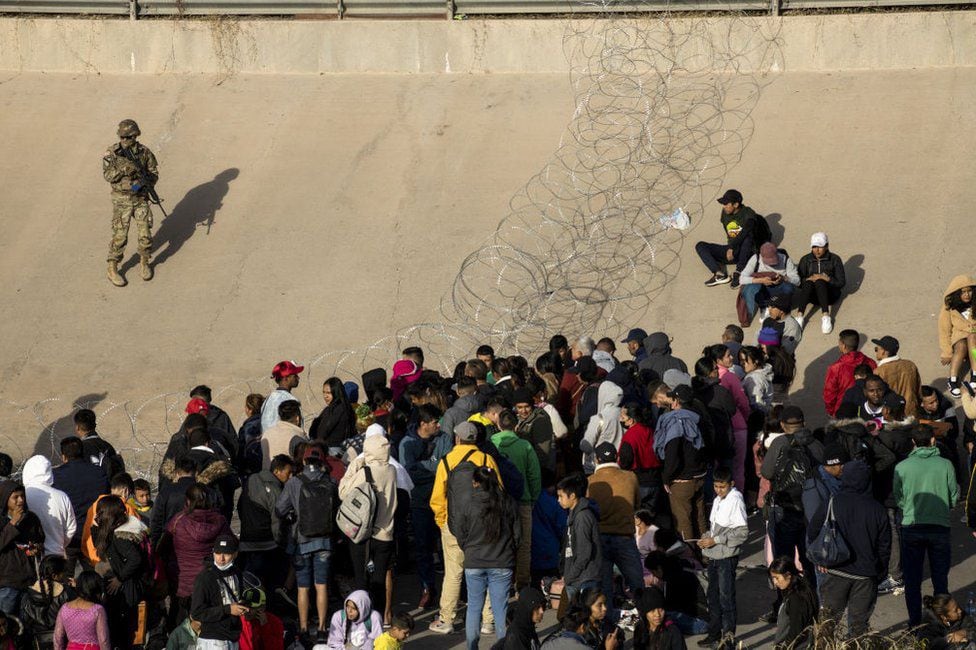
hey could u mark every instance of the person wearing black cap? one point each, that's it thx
(863, 524)
(616, 494)
(779, 318)
(635, 343)
(217, 596)
(738, 221)
(901, 375)
(790, 460)
(824, 483)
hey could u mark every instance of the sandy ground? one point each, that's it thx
(342, 207)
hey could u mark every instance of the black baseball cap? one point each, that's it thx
(781, 302)
(791, 415)
(636, 334)
(225, 544)
(731, 196)
(835, 454)
(889, 343)
(893, 400)
(606, 452)
(682, 393)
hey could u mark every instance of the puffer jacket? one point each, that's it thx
(840, 378)
(830, 265)
(16, 569)
(126, 555)
(193, 535)
(758, 386)
(376, 456)
(953, 326)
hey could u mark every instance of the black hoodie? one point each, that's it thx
(213, 593)
(521, 634)
(16, 569)
(861, 521)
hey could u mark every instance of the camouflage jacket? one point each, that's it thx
(121, 173)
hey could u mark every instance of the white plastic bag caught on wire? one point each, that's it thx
(677, 219)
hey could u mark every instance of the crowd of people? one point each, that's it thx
(618, 491)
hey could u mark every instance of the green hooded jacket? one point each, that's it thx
(925, 488)
(523, 456)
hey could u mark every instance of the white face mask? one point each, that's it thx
(224, 567)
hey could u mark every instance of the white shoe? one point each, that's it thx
(826, 324)
(487, 629)
(799, 321)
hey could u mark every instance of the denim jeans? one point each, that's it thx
(425, 534)
(757, 294)
(621, 550)
(312, 568)
(689, 625)
(497, 583)
(916, 541)
(10, 600)
(721, 595)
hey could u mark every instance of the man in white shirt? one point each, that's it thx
(285, 374)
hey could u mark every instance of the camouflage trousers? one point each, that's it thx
(125, 208)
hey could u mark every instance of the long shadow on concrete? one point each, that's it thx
(197, 209)
(49, 439)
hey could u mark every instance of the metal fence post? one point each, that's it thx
(774, 7)
(450, 9)
(133, 10)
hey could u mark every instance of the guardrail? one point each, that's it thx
(136, 9)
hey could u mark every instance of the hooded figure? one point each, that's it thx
(405, 372)
(359, 634)
(376, 455)
(955, 324)
(520, 634)
(667, 636)
(16, 569)
(604, 426)
(52, 506)
(659, 358)
(604, 360)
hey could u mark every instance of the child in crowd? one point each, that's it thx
(400, 629)
(728, 530)
(185, 636)
(82, 622)
(581, 556)
(600, 634)
(644, 535)
(141, 499)
(42, 601)
(944, 624)
(655, 631)
(356, 626)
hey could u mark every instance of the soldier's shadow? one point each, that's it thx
(194, 211)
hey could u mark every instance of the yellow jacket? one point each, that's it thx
(438, 498)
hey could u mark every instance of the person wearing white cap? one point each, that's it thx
(821, 280)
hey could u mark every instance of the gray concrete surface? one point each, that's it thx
(821, 43)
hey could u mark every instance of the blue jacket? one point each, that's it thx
(417, 457)
(817, 491)
(548, 527)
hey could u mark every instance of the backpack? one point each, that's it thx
(357, 512)
(315, 503)
(459, 482)
(761, 232)
(794, 467)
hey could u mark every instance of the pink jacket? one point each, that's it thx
(733, 384)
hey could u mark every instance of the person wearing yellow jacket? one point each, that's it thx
(957, 329)
(465, 448)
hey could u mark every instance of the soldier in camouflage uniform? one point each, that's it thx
(129, 199)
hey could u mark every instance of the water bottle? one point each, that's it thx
(971, 604)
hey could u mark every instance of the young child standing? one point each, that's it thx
(400, 629)
(727, 532)
(141, 499)
(581, 556)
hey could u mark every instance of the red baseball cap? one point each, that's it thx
(285, 368)
(197, 405)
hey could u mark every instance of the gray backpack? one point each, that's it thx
(357, 512)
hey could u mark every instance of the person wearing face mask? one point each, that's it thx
(216, 598)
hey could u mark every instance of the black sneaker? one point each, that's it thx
(709, 641)
(954, 389)
(769, 618)
(735, 280)
(717, 279)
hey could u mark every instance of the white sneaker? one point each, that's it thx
(799, 321)
(487, 629)
(826, 324)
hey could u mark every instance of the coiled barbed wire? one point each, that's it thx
(662, 112)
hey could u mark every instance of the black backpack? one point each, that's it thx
(315, 506)
(761, 234)
(794, 467)
(459, 482)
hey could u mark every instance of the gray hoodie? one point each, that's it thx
(758, 386)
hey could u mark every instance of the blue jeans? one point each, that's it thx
(10, 600)
(497, 583)
(425, 535)
(916, 541)
(689, 625)
(758, 294)
(714, 255)
(622, 551)
(721, 595)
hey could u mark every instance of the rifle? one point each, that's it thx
(144, 182)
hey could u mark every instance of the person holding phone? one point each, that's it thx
(216, 598)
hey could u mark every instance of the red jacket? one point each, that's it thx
(270, 636)
(640, 439)
(840, 377)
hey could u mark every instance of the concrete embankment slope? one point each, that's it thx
(344, 204)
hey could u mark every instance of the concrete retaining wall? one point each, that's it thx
(114, 46)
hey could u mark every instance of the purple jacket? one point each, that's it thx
(193, 540)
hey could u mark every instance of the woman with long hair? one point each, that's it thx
(600, 634)
(82, 623)
(43, 600)
(120, 539)
(193, 533)
(337, 421)
(782, 362)
(758, 382)
(798, 606)
(944, 624)
(488, 532)
(957, 330)
(724, 361)
(654, 630)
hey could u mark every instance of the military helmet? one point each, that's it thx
(128, 128)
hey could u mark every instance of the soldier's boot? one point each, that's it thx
(113, 274)
(147, 271)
